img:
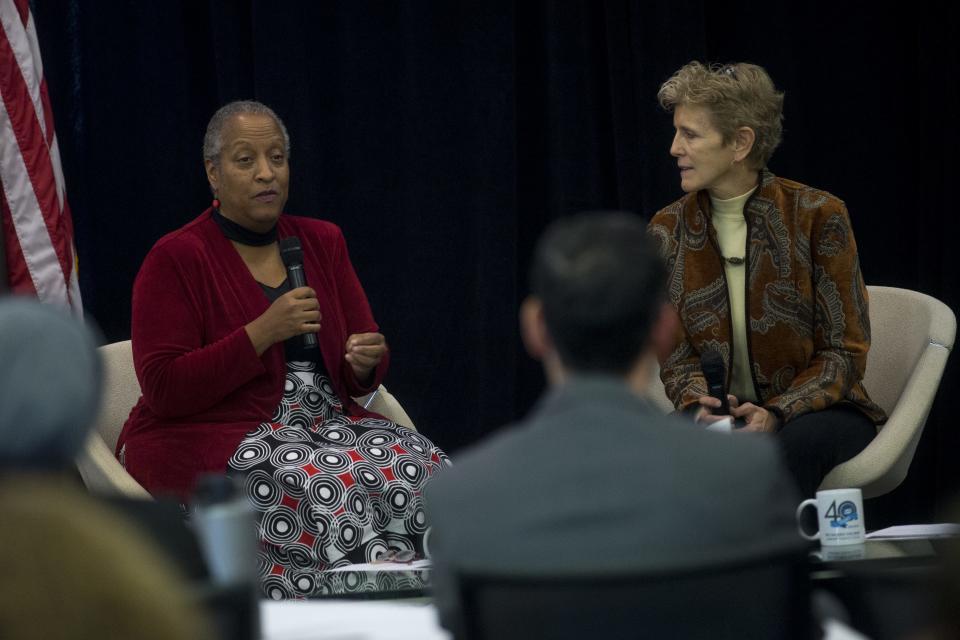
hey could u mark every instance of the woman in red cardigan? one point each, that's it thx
(229, 385)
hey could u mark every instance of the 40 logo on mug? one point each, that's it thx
(840, 516)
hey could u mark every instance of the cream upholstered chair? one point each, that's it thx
(100, 470)
(913, 334)
(385, 403)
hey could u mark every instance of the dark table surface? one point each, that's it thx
(888, 588)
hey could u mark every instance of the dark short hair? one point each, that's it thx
(601, 282)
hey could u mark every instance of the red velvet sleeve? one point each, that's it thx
(359, 318)
(180, 375)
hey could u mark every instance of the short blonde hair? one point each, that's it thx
(737, 95)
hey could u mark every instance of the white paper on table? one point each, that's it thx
(416, 565)
(338, 620)
(721, 426)
(836, 630)
(943, 530)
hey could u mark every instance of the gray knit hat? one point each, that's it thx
(50, 377)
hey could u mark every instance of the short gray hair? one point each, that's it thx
(213, 139)
(49, 384)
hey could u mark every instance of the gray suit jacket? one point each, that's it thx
(597, 481)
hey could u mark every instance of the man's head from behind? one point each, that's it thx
(49, 385)
(597, 296)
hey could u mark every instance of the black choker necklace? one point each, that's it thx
(241, 234)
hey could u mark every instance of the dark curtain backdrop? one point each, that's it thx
(442, 136)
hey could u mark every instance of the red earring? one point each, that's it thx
(216, 203)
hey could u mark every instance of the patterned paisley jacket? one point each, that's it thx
(809, 330)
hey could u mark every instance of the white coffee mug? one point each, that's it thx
(839, 517)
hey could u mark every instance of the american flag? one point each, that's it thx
(37, 230)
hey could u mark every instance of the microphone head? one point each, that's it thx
(290, 251)
(713, 368)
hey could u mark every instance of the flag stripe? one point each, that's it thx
(33, 156)
(45, 111)
(25, 55)
(38, 230)
(18, 275)
(51, 136)
(23, 9)
(22, 36)
(38, 251)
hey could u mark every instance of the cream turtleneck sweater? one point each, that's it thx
(731, 228)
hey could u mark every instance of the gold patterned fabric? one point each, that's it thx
(809, 329)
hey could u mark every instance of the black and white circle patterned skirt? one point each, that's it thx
(330, 490)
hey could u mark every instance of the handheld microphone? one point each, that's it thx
(292, 256)
(715, 372)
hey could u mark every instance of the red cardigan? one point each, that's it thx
(204, 387)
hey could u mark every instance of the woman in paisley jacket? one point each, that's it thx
(763, 271)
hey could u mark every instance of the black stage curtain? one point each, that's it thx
(442, 136)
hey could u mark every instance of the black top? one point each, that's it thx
(241, 234)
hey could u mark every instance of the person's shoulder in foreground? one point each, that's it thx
(70, 563)
(626, 487)
(71, 567)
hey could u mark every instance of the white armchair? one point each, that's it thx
(99, 468)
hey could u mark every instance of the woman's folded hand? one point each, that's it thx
(292, 314)
(364, 351)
